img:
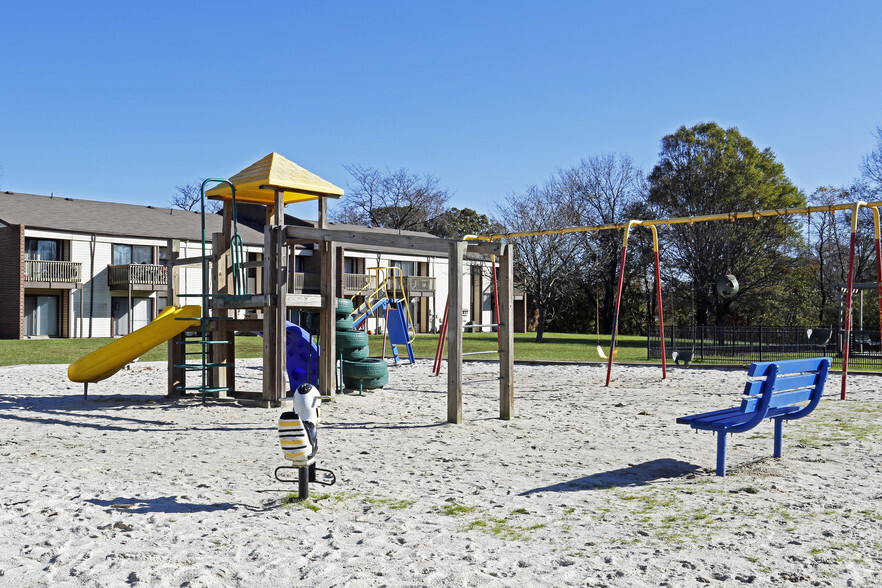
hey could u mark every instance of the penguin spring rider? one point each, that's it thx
(298, 435)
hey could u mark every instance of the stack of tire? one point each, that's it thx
(360, 372)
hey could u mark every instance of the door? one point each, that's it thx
(41, 316)
(125, 321)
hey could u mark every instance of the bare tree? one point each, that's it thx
(543, 263)
(188, 196)
(603, 189)
(394, 199)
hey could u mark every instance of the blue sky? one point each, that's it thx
(123, 101)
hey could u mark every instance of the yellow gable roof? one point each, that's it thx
(275, 173)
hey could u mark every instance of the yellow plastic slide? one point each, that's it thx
(103, 363)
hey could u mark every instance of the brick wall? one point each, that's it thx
(11, 286)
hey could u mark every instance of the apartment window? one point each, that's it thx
(43, 249)
(350, 265)
(408, 268)
(129, 254)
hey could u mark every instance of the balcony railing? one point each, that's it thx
(413, 285)
(52, 271)
(354, 283)
(305, 282)
(137, 275)
(419, 285)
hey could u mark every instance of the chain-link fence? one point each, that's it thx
(743, 345)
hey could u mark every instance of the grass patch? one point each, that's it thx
(65, 351)
(391, 503)
(311, 503)
(456, 510)
(503, 529)
(557, 347)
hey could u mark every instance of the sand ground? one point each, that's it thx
(586, 486)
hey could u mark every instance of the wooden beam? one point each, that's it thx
(304, 300)
(506, 332)
(454, 332)
(370, 237)
(327, 328)
(279, 208)
(253, 301)
(273, 317)
(486, 247)
(322, 213)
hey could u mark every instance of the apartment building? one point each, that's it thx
(80, 268)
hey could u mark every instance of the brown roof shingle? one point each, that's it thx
(111, 218)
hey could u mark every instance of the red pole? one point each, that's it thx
(848, 314)
(615, 324)
(496, 299)
(878, 235)
(385, 330)
(442, 336)
(661, 318)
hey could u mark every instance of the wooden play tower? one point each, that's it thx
(274, 182)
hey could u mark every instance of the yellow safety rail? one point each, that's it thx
(383, 277)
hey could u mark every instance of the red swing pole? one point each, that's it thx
(495, 298)
(615, 325)
(878, 233)
(848, 297)
(658, 291)
(442, 337)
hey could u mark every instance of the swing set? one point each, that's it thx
(732, 217)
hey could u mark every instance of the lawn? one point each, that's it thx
(557, 347)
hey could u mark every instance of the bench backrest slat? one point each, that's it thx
(790, 384)
(782, 382)
(788, 366)
(778, 399)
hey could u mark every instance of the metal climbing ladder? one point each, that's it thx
(203, 340)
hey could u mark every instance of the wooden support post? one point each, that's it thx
(506, 333)
(338, 273)
(273, 316)
(327, 328)
(176, 375)
(454, 332)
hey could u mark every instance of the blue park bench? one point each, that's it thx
(779, 391)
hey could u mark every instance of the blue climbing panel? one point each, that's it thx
(399, 330)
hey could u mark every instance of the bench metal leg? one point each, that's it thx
(721, 453)
(779, 437)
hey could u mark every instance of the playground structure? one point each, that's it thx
(274, 182)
